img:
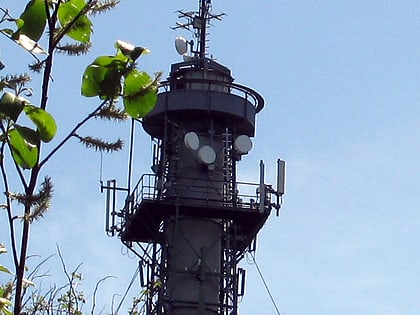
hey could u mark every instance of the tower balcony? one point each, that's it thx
(149, 204)
(196, 95)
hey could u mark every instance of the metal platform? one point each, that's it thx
(144, 222)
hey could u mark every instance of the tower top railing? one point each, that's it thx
(211, 85)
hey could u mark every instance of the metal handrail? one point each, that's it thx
(233, 88)
(246, 196)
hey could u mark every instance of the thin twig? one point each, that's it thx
(95, 292)
(72, 291)
(32, 275)
(9, 209)
(72, 132)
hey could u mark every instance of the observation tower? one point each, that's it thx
(191, 220)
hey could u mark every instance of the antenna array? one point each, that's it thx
(198, 22)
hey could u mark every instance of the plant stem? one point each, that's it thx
(9, 209)
(29, 190)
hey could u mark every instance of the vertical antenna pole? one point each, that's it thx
(130, 159)
(110, 206)
(203, 24)
(108, 209)
(262, 186)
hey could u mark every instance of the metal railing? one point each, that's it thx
(245, 196)
(194, 192)
(244, 92)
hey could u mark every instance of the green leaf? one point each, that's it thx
(81, 28)
(29, 135)
(11, 106)
(24, 153)
(118, 63)
(92, 77)
(19, 23)
(4, 269)
(33, 20)
(45, 123)
(103, 77)
(140, 94)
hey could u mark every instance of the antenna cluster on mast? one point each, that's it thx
(197, 22)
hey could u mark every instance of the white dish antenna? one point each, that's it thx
(206, 155)
(192, 141)
(181, 45)
(243, 144)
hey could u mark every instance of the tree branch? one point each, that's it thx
(72, 132)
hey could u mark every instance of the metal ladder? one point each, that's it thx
(228, 168)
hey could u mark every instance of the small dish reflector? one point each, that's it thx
(243, 144)
(192, 141)
(188, 58)
(181, 45)
(206, 155)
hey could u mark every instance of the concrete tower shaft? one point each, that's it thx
(197, 118)
(196, 219)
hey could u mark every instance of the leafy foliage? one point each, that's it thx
(32, 21)
(72, 16)
(5, 290)
(27, 127)
(45, 123)
(39, 203)
(24, 141)
(24, 152)
(110, 77)
(57, 299)
(139, 93)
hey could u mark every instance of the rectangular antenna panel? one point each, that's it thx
(281, 176)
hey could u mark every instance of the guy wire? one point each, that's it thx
(265, 283)
(136, 272)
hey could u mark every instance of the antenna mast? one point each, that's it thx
(202, 23)
(199, 21)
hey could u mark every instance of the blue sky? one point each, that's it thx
(340, 80)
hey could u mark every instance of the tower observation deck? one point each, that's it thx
(191, 221)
